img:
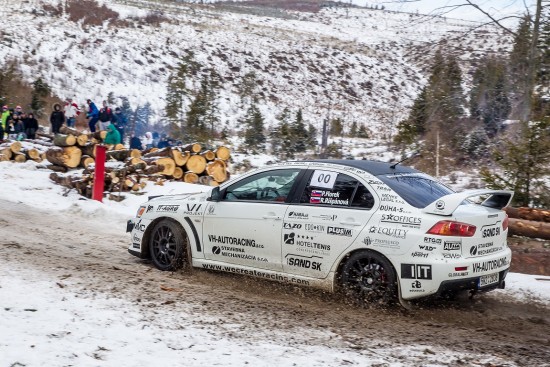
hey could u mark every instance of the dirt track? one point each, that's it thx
(95, 260)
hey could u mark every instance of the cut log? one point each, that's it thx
(135, 153)
(82, 140)
(179, 157)
(3, 157)
(209, 155)
(68, 156)
(62, 140)
(39, 142)
(218, 170)
(118, 155)
(99, 135)
(32, 153)
(205, 180)
(70, 131)
(44, 135)
(119, 147)
(529, 228)
(223, 153)
(193, 148)
(57, 168)
(540, 215)
(191, 177)
(165, 152)
(168, 163)
(178, 173)
(196, 164)
(19, 157)
(135, 161)
(15, 146)
(89, 149)
(6, 151)
(86, 160)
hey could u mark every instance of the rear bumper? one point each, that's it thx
(471, 284)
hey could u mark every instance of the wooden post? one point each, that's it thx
(99, 175)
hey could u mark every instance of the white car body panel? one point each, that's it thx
(303, 243)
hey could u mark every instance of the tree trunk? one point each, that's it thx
(193, 148)
(19, 157)
(86, 160)
(178, 173)
(539, 215)
(528, 228)
(6, 151)
(62, 140)
(3, 157)
(196, 164)
(89, 149)
(68, 157)
(191, 177)
(223, 153)
(179, 157)
(119, 155)
(168, 163)
(217, 169)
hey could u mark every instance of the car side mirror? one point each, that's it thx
(215, 194)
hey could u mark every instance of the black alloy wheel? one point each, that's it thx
(369, 278)
(167, 245)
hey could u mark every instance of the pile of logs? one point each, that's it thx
(126, 170)
(528, 222)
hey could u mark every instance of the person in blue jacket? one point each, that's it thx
(92, 115)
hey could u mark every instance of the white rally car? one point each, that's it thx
(372, 229)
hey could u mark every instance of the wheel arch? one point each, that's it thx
(149, 231)
(338, 273)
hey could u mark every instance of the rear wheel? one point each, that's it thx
(168, 245)
(369, 278)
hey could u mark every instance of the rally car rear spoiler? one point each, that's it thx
(447, 204)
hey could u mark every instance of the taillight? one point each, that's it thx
(451, 228)
(505, 222)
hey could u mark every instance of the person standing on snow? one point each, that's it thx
(31, 126)
(92, 115)
(105, 116)
(57, 118)
(71, 111)
(4, 120)
(120, 121)
(113, 136)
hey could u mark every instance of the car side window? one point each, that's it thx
(341, 191)
(271, 186)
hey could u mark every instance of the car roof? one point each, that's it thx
(373, 167)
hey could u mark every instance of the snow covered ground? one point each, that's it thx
(44, 322)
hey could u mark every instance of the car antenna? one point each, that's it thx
(414, 154)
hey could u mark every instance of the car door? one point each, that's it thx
(324, 220)
(245, 226)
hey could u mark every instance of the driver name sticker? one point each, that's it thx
(325, 179)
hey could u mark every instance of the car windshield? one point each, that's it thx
(417, 189)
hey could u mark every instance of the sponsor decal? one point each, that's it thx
(451, 256)
(327, 197)
(436, 241)
(289, 238)
(419, 254)
(457, 274)
(391, 198)
(324, 179)
(314, 200)
(303, 262)
(417, 286)
(193, 209)
(227, 240)
(292, 225)
(298, 215)
(326, 217)
(404, 220)
(416, 271)
(168, 208)
(236, 253)
(380, 242)
(383, 188)
(489, 265)
(426, 248)
(374, 182)
(211, 209)
(135, 245)
(484, 249)
(149, 208)
(452, 245)
(140, 227)
(338, 231)
(256, 273)
(440, 205)
(135, 238)
(392, 232)
(492, 231)
(391, 208)
(314, 227)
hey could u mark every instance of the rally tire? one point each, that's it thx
(168, 245)
(368, 278)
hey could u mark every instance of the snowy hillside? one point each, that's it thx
(360, 64)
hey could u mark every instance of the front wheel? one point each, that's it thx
(167, 245)
(369, 278)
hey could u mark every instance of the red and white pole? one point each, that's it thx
(99, 175)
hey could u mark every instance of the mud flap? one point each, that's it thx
(408, 305)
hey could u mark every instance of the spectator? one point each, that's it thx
(135, 143)
(71, 111)
(156, 139)
(163, 142)
(31, 126)
(8, 128)
(148, 140)
(120, 122)
(4, 121)
(92, 115)
(19, 128)
(57, 118)
(113, 136)
(105, 116)
(18, 111)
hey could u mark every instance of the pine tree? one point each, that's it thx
(363, 132)
(336, 127)
(519, 65)
(353, 129)
(40, 90)
(142, 118)
(299, 133)
(489, 95)
(524, 165)
(543, 75)
(311, 142)
(254, 137)
(178, 95)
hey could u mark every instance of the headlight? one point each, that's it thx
(140, 211)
